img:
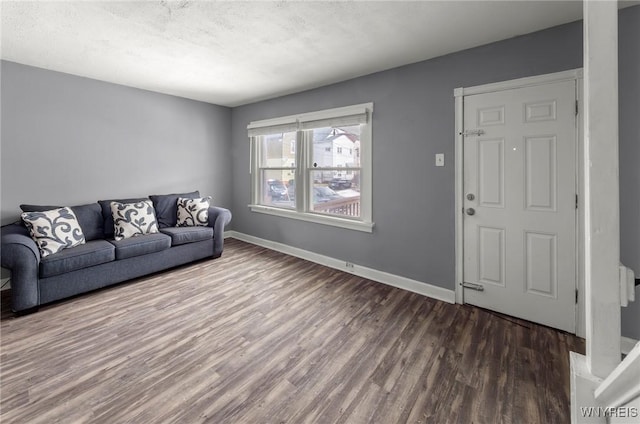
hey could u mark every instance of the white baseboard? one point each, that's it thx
(626, 344)
(404, 283)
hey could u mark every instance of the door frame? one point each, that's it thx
(459, 94)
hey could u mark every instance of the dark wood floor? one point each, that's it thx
(261, 337)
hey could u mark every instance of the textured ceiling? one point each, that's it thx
(236, 52)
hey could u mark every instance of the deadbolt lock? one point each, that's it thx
(470, 196)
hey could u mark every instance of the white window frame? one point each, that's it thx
(302, 124)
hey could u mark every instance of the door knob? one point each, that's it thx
(471, 211)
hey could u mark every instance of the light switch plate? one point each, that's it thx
(439, 159)
(5, 284)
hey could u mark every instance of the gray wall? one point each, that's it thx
(413, 119)
(68, 140)
(413, 204)
(629, 105)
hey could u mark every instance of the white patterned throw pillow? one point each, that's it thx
(133, 219)
(193, 212)
(53, 230)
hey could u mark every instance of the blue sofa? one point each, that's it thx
(103, 261)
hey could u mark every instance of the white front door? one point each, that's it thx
(520, 203)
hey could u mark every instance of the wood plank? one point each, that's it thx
(262, 337)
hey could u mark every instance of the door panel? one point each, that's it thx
(540, 111)
(491, 173)
(491, 116)
(541, 266)
(491, 255)
(540, 173)
(520, 242)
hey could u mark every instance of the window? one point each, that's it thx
(277, 167)
(314, 166)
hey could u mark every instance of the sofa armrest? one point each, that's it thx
(218, 219)
(20, 255)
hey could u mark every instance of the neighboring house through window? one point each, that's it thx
(314, 166)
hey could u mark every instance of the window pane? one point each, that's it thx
(278, 150)
(340, 196)
(336, 147)
(278, 188)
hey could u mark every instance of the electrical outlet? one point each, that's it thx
(348, 265)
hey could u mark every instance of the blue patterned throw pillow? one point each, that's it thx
(53, 230)
(193, 212)
(133, 219)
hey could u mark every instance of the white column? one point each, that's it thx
(602, 207)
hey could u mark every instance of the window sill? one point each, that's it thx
(350, 224)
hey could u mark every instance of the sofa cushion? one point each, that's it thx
(133, 219)
(184, 235)
(92, 253)
(106, 213)
(53, 230)
(193, 212)
(91, 220)
(141, 245)
(166, 206)
(38, 208)
(89, 217)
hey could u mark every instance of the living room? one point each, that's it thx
(72, 140)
